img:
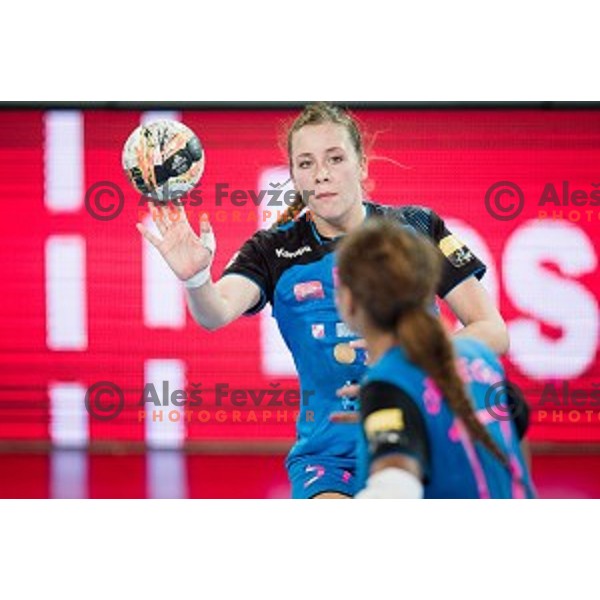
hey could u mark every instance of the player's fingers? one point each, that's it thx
(344, 417)
(182, 215)
(148, 235)
(358, 344)
(174, 216)
(205, 226)
(167, 215)
(361, 345)
(349, 391)
(207, 237)
(158, 218)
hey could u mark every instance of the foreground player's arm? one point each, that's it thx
(398, 443)
(473, 306)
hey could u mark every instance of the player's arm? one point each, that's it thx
(214, 305)
(397, 440)
(460, 287)
(473, 306)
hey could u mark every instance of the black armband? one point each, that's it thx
(393, 423)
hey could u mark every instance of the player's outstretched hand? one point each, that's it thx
(185, 252)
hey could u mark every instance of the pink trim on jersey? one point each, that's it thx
(432, 397)
(458, 433)
(518, 487)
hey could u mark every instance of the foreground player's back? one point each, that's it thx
(453, 465)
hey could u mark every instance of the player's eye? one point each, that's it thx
(304, 164)
(337, 158)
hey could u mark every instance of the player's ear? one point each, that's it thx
(364, 168)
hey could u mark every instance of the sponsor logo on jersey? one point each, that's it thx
(345, 354)
(343, 331)
(309, 290)
(456, 251)
(318, 330)
(283, 253)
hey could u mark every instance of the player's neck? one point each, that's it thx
(345, 224)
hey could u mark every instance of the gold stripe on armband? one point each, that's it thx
(387, 419)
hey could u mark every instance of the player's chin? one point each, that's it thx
(327, 209)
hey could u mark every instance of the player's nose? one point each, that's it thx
(322, 174)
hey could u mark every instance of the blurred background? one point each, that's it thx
(86, 303)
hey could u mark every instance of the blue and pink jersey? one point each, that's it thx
(457, 467)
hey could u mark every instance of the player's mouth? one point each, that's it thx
(325, 195)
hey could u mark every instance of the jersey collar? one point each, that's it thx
(321, 239)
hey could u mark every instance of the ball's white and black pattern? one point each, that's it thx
(163, 159)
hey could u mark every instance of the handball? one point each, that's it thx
(163, 160)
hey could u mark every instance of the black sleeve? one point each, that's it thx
(250, 263)
(393, 424)
(459, 261)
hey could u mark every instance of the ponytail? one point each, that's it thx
(291, 212)
(426, 343)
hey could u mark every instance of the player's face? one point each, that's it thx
(327, 170)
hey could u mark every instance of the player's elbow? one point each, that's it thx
(209, 324)
(501, 339)
(493, 331)
(212, 325)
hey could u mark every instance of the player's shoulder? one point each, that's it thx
(421, 218)
(392, 367)
(290, 235)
